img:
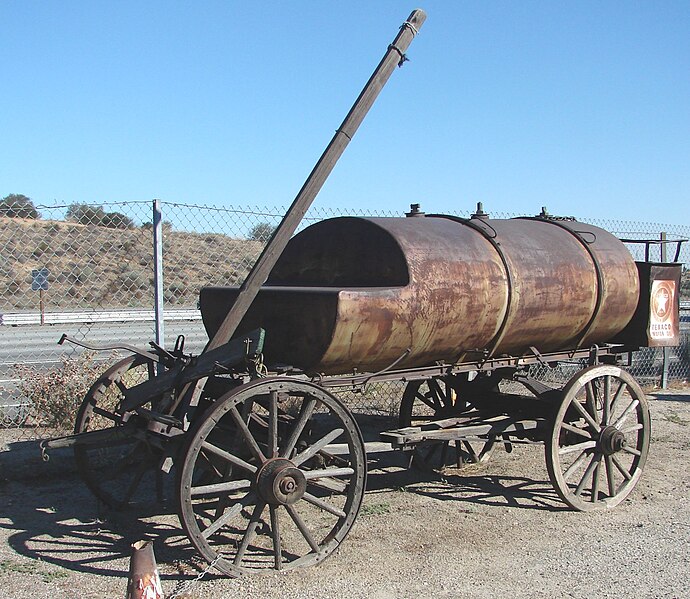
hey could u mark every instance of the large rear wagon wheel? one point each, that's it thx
(600, 438)
(272, 477)
(120, 471)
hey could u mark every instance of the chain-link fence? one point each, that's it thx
(88, 271)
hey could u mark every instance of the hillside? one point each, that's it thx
(97, 267)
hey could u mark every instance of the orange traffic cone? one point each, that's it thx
(144, 582)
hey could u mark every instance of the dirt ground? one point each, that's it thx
(495, 530)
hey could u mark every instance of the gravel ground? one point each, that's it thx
(497, 530)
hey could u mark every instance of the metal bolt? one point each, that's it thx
(287, 485)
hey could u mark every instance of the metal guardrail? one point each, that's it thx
(87, 316)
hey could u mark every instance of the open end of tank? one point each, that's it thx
(298, 306)
(342, 252)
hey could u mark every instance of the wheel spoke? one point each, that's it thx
(607, 401)
(578, 431)
(306, 411)
(622, 418)
(632, 450)
(105, 413)
(610, 476)
(302, 528)
(248, 437)
(619, 393)
(595, 482)
(219, 488)
(630, 429)
(437, 393)
(250, 533)
(592, 464)
(275, 533)
(590, 398)
(316, 447)
(623, 387)
(575, 465)
(577, 447)
(273, 424)
(586, 415)
(425, 400)
(471, 452)
(228, 515)
(229, 457)
(622, 469)
(324, 505)
(327, 472)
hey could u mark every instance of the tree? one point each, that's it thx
(85, 214)
(17, 205)
(261, 232)
(117, 220)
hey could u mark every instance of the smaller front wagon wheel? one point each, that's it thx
(272, 477)
(600, 438)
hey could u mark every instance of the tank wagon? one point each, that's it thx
(269, 463)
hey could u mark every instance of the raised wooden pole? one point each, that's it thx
(395, 56)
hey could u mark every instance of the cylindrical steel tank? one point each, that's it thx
(356, 293)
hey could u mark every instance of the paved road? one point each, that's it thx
(35, 344)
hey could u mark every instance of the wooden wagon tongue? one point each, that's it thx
(395, 56)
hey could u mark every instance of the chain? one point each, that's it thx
(185, 587)
(258, 366)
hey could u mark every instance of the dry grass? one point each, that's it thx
(92, 266)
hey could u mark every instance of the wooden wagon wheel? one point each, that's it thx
(600, 438)
(120, 471)
(436, 399)
(272, 477)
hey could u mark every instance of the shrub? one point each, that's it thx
(261, 232)
(17, 205)
(57, 393)
(117, 220)
(85, 214)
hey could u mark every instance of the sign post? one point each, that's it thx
(39, 282)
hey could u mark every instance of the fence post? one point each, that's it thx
(665, 351)
(158, 272)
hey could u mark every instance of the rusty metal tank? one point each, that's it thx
(358, 293)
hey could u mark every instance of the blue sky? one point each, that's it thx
(583, 107)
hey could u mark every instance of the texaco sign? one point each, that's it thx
(661, 322)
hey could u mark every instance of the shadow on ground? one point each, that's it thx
(48, 513)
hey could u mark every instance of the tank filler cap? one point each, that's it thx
(415, 210)
(480, 212)
(544, 214)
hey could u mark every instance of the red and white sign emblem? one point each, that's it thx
(661, 313)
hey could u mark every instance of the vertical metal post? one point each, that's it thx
(158, 271)
(665, 351)
(41, 306)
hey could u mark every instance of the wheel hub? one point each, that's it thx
(280, 482)
(611, 440)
